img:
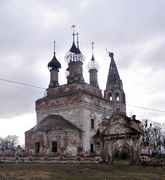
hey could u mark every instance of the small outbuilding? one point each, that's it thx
(119, 134)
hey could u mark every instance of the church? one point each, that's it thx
(69, 115)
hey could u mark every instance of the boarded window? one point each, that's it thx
(37, 147)
(54, 146)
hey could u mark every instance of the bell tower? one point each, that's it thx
(114, 88)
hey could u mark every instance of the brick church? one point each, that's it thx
(69, 115)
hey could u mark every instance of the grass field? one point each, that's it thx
(119, 171)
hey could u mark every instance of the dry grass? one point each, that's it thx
(119, 171)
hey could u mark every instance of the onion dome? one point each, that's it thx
(54, 64)
(73, 49)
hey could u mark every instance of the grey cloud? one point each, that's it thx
(26, 37)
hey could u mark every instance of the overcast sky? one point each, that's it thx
(133, 30)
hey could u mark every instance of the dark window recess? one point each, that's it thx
(37, 147)
(79, 149)
(92, 123)
(92, 148)
(98, 143)
(54, 146)
(118, 110)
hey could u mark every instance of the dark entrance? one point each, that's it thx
(37, 147)
(122, 154)
(92, 148)
(54, 146)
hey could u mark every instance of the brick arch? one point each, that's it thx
(121, 145)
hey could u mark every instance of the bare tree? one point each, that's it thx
(8, 143)
(152, 138)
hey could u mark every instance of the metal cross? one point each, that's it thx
(54, 46)
(111, 54)
(77, 34)
(73, 27)
(92, 46)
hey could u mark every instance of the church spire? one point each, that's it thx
(113, 75)
(92, 64)
(114, 88)
(73, 48)
(73, 34)
(77, 34)
(54, 47)
(93, 69)
(93, 58)
(78, 47)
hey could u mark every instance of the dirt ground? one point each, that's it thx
(121, 170)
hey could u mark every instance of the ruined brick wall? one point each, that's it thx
(68, 142)
(78, 104)
(119, 135)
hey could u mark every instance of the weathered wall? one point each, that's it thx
(77, 107)
(119, 133)
(68, 142)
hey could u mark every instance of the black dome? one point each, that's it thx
(54, 64)
(73, 49)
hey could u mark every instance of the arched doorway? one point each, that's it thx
(121, 153)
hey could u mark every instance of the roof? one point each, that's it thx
(113, 75)
(54, 63)
(106, 125)
(93, 58)
(134, 124)
(52, 122)
(78, 51)
(73, 48)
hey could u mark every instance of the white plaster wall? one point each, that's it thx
(70, 113)
(88, 132)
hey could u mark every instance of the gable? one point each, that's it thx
(120, 124)
(54, 122)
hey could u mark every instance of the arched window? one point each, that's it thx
(110, 96)
(117, 97)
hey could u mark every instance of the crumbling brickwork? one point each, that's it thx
(119, 134)
(53, 131)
